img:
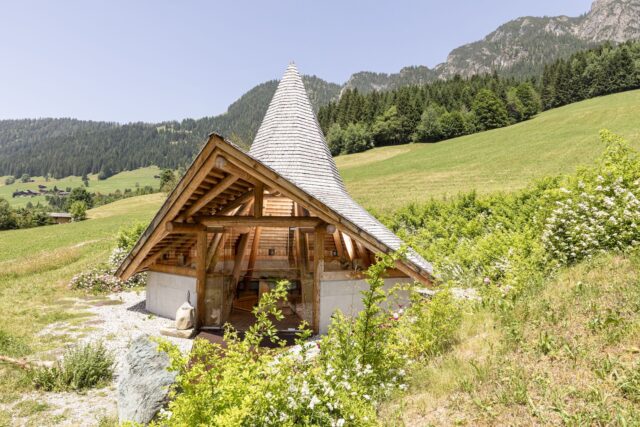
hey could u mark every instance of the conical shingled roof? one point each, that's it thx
(291, 142)
(290, 139)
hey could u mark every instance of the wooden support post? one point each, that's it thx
(255, 245)
(235, 273)
(318, 269)
(214, 249)
(258, 200)
(201, 278)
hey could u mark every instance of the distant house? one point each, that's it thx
(238, 222)
(42, 187)
(61, 217)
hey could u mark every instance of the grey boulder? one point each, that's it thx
(144, 381)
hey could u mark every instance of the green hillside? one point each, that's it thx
(128, 179)
(555, 142)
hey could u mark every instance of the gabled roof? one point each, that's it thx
(290, 155)
(291, 142)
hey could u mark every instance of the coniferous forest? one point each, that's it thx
(447, 109)
(355, 122)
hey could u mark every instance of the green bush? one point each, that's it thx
(430, 325)
(337, 381)
(82, 367)
(79, 210)
(598, 209)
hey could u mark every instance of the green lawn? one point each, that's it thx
(36, 265)
(128, 179)
(504, 159)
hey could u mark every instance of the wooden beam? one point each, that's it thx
(164, 250)
(214, 248)
(173, 269)
(348, 243)
(237, 202)
(182, 228)
(411, 273)
(257, 234)
(276, 182)
(265, 221)
(258, 200)
(363, 254)
(209, 196)
(235, 273)
(201, 278)
(338, 242)
(318, 269)
(155, 232)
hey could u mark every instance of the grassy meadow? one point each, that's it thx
(127, 179)
(578, 332)
(576, 362)
(36, 265)
(554, 142)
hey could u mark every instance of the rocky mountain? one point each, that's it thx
(520, 47)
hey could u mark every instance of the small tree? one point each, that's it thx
(530, 100)
(489, 110)
(452, 125)
(7, 216)
(388, 128)
(9, 180)
(167, 180)
(25, 177)
(335, 139)
(357, 138)
(79, 210)
(428, 129)
(82, 195)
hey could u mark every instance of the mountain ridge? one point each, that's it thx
(519, 47)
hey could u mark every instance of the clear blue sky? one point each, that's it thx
(142, 60)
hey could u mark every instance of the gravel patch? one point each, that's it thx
(115, 322)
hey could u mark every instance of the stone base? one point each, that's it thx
(178, 333)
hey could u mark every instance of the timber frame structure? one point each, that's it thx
(242, 217)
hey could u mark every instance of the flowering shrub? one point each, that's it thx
(336, 381)
(599, 210)
(102, 278)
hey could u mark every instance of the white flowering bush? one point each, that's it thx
(102, 278)
(337, 381)
(599, 209)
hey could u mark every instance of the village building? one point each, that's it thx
(61, 217)
(238, 222)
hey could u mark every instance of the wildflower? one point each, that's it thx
(314, 401)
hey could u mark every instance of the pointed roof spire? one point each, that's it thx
(291, 142)
(290, 139)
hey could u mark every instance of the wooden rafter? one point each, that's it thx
(150, 260)
(348, 244)
(235, 203)
(338, 242)
(209, 196)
